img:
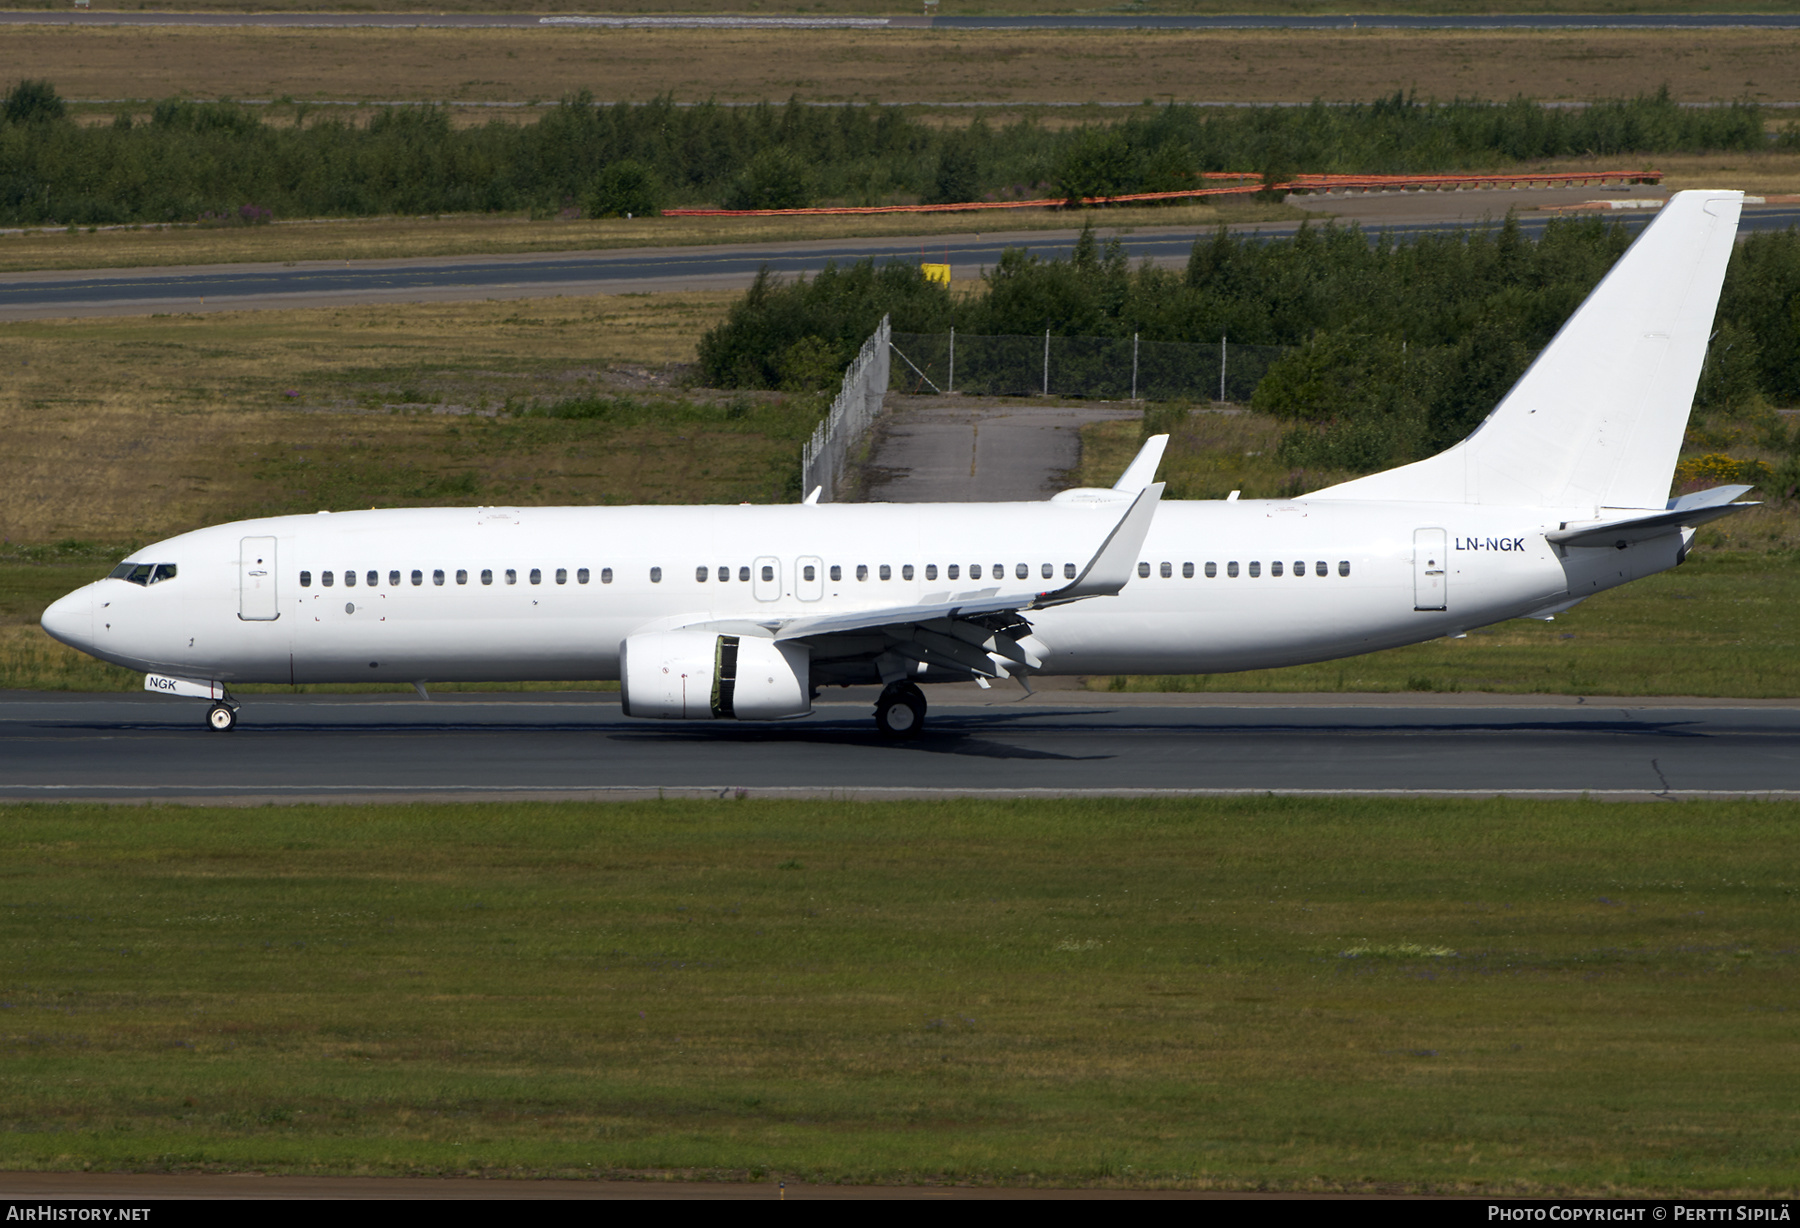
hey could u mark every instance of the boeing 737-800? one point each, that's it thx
(745, 612)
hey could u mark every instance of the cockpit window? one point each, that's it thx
(142, 573)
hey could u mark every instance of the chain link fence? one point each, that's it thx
(823, 458)
(1095, 368)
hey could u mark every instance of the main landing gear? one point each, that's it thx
(222, 717)
(900, 712)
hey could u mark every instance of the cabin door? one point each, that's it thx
(256, 580)
(766, 579)
(809, 578)
(1430, 569)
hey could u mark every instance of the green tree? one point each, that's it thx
(33, 102)
(776, 178)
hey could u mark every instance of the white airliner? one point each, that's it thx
(745, 612)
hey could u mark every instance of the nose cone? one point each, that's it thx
(71, 619)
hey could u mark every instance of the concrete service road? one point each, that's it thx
(316, 283)
(1059, 743)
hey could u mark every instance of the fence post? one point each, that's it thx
(950, 381)
(1046, 362)
(1134, 348)
(1221, 366)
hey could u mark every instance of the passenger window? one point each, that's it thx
(164, 571)
(1319, 568)
(306, 579)
(372, 579)
(862, 571)
(887, 573)
(974, 571)
(418, 577)
(1344, 567)
(700, 575)
(1212, 571)
(1021, 571)
(393, 579)
(999, 571)
(462, 577)
(1143, 571)
(1255, 570)
(1068, 571)
(931, 571)
(1167, 570)
(743, 575)
(1187, 571)
(537, 575)
(325, 578)
(768, 574)
(906, 572)
(810, 572)
(1274, 568)
(724, 575)
(562, 575)
(350, 579)
(656, 575)
(437, 577)
(606, 575)
(487, 575)
(837, 573)
(1049, 570)
(581, 575)
(512, 576)
(1231, 569)
(952, 571)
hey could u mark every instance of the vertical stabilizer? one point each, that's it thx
(1598, 419)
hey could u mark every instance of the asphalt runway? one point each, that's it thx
(1347, 21)
(325, 283)
(1058, 743)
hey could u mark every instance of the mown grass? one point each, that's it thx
(1493, 997)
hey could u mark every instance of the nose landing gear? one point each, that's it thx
(222, 717)
(900, 712)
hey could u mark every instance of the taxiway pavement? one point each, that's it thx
(237, 287)
(1057, 743)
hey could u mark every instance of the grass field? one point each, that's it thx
(903, 66)
(1482, 997)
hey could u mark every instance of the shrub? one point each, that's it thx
(33, 102)
(626, 188)
(774, 179)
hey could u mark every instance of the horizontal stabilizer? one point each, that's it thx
(1687, 512)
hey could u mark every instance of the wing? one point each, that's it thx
(980, 633)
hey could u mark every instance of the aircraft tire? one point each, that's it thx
(900, 712)
(221, 718)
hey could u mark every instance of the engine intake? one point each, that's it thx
(700, 676)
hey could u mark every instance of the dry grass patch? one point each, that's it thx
(394, 238)
(909, 66)
(130, 429)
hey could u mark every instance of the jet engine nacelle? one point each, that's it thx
(702, 676)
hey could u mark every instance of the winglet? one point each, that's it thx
(813, 498)
(1142, 469)
(1110, 568)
